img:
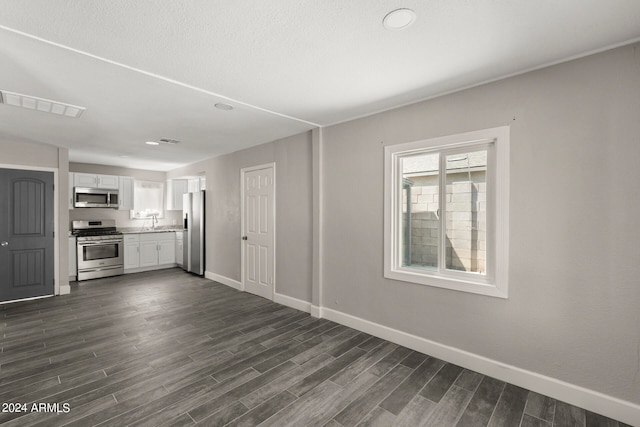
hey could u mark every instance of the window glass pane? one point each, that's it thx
(420, 222)
(148, 199)
(466, 219)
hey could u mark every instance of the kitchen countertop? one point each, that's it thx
(138, 230)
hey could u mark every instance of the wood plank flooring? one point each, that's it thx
(171, 349)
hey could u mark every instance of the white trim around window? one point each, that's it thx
(492, 278)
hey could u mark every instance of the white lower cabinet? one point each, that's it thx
(148, 251)
(131, 251)
(73, 262)
(167, 250)
(179, 248)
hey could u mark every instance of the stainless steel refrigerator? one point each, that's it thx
(193, 240)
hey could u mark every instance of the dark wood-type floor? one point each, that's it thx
(169, 348)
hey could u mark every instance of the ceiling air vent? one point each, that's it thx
(40, 104)
(168, 141)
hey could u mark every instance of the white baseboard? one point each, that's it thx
(224, 280)
(65, 290)
(292, 302)
(316, 311)
(591, 400)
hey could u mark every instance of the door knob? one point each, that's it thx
(4, 244)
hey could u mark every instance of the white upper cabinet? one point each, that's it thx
(125, 190)
(176, 188)
(95, 181)
(85, 180)
(108, 181)
(197, 184)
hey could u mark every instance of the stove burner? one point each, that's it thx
(105, 227)
(82, 233)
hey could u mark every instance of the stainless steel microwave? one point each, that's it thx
(95, 198)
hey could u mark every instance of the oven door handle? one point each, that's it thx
(90, 270)
(106, 242)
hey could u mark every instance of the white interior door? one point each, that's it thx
(258, 225)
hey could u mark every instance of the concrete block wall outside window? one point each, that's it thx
(466, 222)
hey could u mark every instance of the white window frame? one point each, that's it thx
(495, 282)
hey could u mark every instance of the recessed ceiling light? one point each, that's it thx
(152, 143)
(223, 106)
(399, 19)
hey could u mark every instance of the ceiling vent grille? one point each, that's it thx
(40, 104)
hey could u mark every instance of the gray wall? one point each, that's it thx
(293, 211)
(572, 312)
(13, 152)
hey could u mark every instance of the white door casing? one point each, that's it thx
(258, 230)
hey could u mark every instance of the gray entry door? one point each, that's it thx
(26, 234)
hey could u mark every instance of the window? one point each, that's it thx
(148, 200)
(446, 212)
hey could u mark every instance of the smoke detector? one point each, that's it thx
(40, 104)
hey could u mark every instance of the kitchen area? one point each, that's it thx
(130, 220)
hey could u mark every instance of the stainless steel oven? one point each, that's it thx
(99, 249)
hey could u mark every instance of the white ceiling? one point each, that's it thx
(148, 69)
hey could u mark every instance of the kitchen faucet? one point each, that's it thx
(154, 221)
